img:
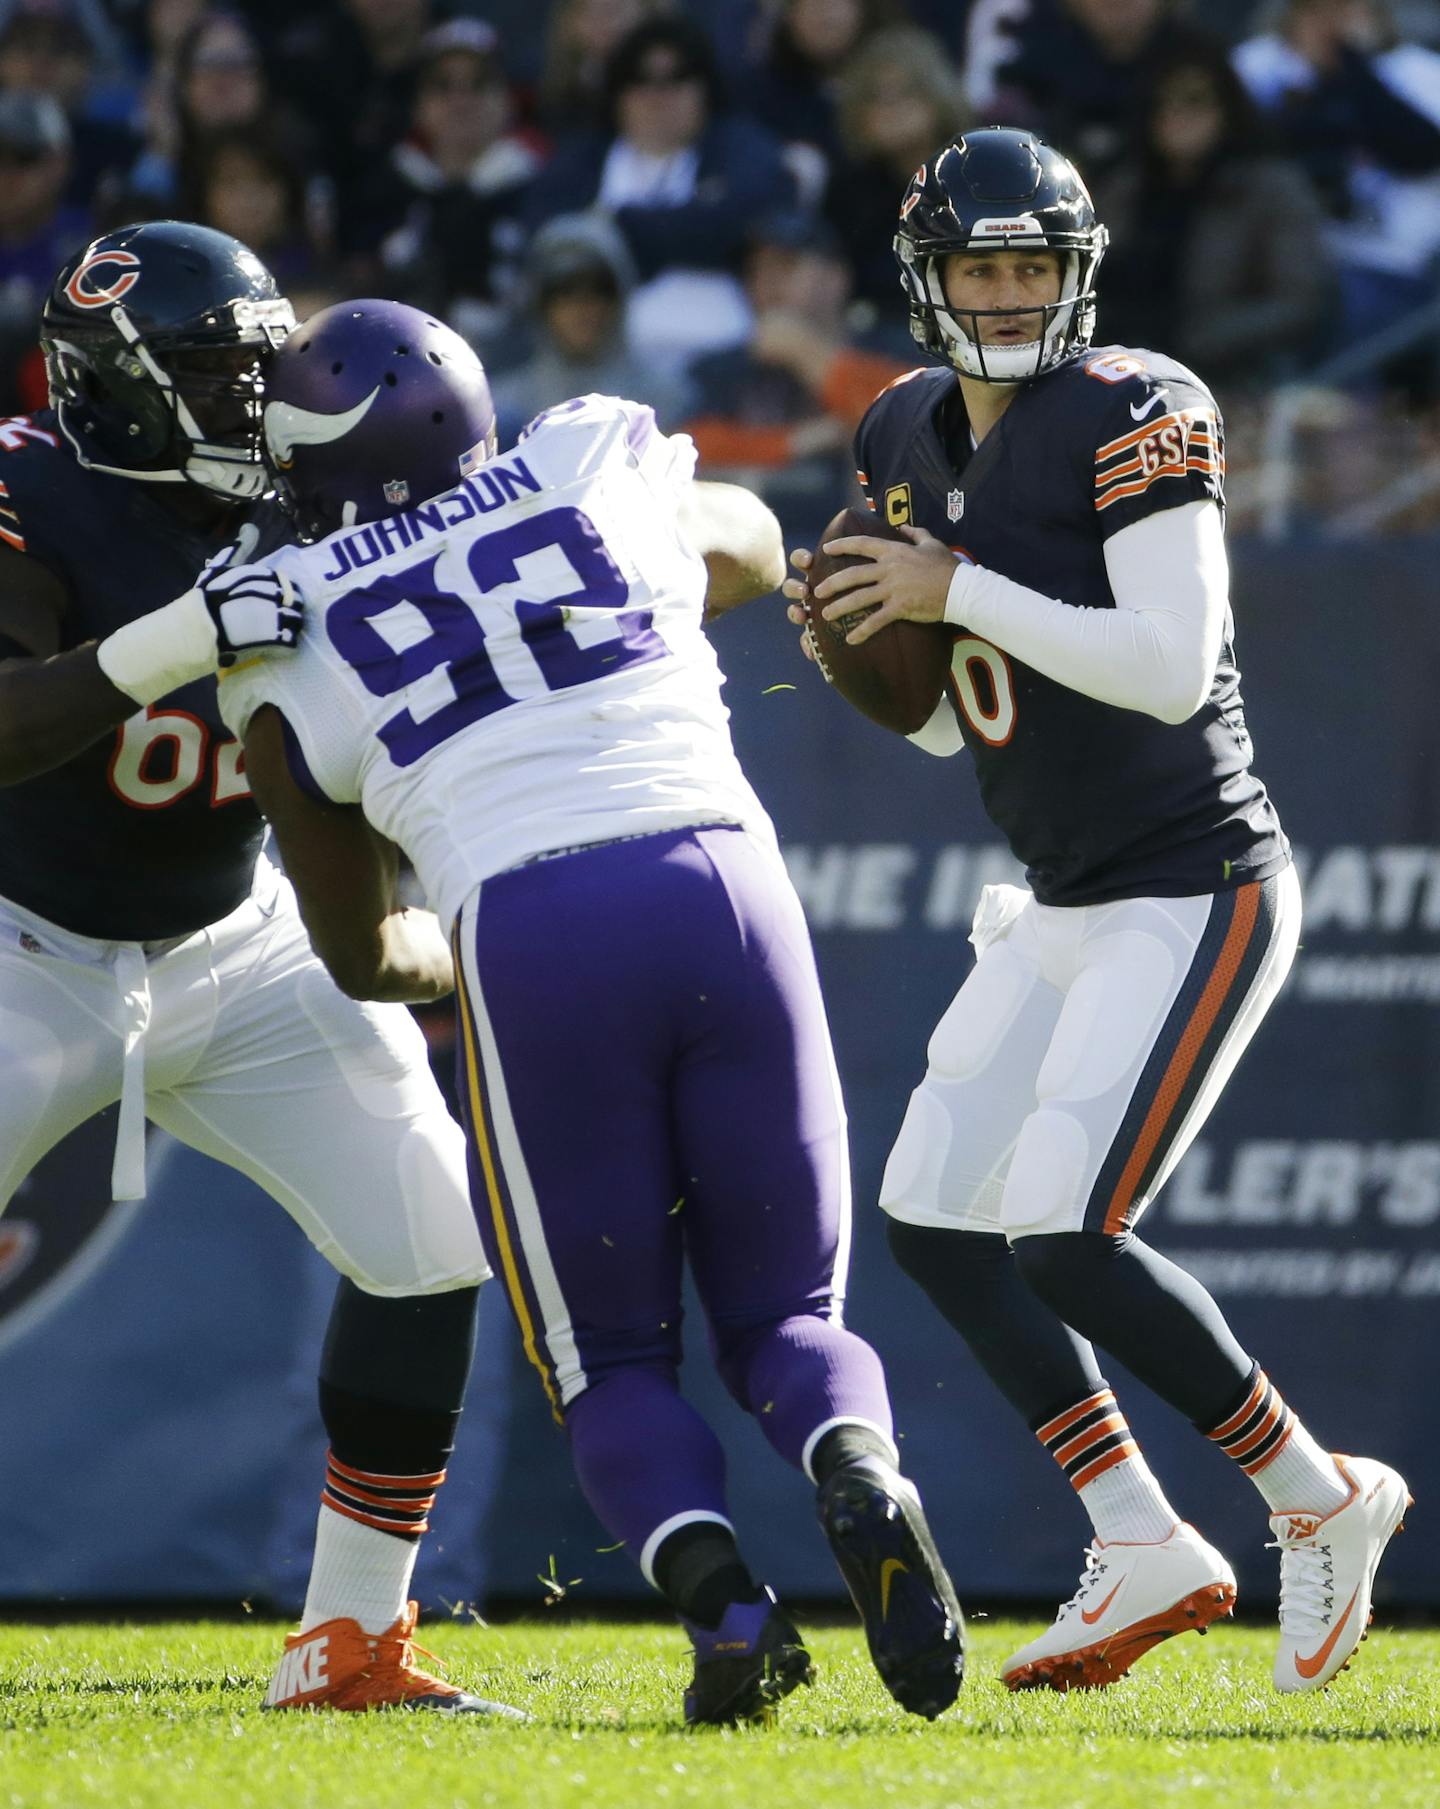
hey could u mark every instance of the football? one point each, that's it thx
(897, 678)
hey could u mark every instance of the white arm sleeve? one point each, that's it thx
(1156, 651)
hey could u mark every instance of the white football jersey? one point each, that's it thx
(518, 665)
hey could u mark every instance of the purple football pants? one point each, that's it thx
(647, 1078)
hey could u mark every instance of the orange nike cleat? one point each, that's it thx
(338, 1665)
(1130, 1598)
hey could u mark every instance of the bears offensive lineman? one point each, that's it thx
(150, 955)
(1095, 684)
(504, 670)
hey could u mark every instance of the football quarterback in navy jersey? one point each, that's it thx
(1062, 508)
(150, 955)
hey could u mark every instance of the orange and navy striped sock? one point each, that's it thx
(399, 1505)
(366, 1543)
(1092, 1443)
(1272, 1447)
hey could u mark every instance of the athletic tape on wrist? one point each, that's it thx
(158, 653)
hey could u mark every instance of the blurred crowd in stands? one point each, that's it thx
(692, 201)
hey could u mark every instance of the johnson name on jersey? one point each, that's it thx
(518, 665)
(1098, 802)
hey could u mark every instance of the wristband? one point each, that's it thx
(159, 652)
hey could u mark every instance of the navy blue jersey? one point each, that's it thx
(1098, 802)
(151, 832)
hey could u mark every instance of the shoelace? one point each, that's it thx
(408, 1649)
(1095, 1569)
(1307, 1585)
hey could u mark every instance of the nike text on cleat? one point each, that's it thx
(746, 1666)
(876, 1527)
(1130, 1598)
(1327, 1572)
(338, 1665)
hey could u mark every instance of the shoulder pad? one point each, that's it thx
(35, 466)
(903, 403)
(594, 428)
(911, 393)
(1129, 374)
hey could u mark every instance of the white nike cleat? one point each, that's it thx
(1130, 1598)
(1327, 1570)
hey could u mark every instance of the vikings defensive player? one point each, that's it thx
(150, 954)
(1094, 683)
(504, 671)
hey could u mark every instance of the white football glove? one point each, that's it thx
(253, 608)
(232, 612)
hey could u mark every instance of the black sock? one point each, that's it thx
(392, 1377)
(699, 1571)
(1145, 1310)
(842, 1445)
(1036, 1361)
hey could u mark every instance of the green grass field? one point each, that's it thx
(131, 1717)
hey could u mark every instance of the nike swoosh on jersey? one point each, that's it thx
(1139, 414)
(1091, 1618)
(887, 1576)
(1310, 1667)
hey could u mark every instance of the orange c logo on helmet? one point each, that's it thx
(101, 295)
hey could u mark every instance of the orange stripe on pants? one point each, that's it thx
(1192, 1041)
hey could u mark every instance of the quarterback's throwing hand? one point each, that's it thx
(254, 609)
(903, 579)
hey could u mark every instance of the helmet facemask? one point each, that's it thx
(954, 334)
(170, 408)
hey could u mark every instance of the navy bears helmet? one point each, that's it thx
(999, 188)
(156, 338)
(370, 408)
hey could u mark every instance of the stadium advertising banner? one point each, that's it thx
(1310, 1206)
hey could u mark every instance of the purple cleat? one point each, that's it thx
(877, 1530)
(746, 1665)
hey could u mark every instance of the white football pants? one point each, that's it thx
(1083, 1053)
(237, 1042)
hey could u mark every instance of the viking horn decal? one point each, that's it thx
(288, 426)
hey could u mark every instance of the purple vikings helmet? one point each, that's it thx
(370, 408)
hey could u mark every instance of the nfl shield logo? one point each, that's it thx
(397, 491)
(955, 504)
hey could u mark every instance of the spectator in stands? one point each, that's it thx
(795, 394)
(218, 87)
(156, 37)
(441, 220)
(46, 49)
(581, 36)
(349, 67)
(577, 277)
(1217, 248)
(1081, 68)
(899, 97)
(1360, 108)
(795, 88)
(243, 184)
(38, 231)
(682, 178)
